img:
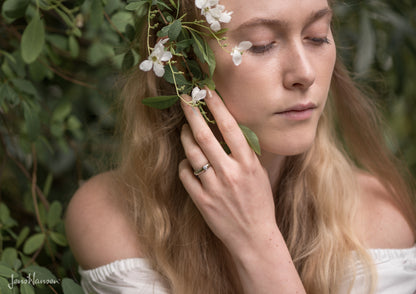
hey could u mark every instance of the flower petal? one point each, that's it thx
(201, 95)
(166, 56)
(200, 3)
(215, 26)
(146, 65)
(213, 2)
(159, 69)
(195, 92)
(226, 17)
(237, 58)
(245, 45)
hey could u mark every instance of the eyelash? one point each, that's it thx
(262, 49)
(320, 41)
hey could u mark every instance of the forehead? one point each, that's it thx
(286, 10)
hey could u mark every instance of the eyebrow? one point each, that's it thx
(258, 21)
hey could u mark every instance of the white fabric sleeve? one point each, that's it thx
(396, 270)
(127, 276)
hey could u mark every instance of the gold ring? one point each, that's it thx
(203, 169)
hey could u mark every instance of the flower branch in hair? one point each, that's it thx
(181, 47)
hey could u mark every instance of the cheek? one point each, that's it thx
(240, 86)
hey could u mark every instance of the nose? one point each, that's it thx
(298, 70)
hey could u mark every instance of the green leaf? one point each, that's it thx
(4, 213)
(54, 214)
(174, 30)
(173, 4)
(9, 256)
(33, 39)
(48, 182)
(179, 77)
(97, 15)
(26, 289)
(62, 111)
(8, 56)
(135, 5)
(121, 19)
(70, 287)
(38, 71)
(251, 138)
(184, 44)
(210, 59)
(98, 52)
(9, 95)
(58, 41)
(32, 121)
(33, 243)
(22, 236)
(59, 239)
(25, 86)
(163, 32)
(73, 123)
(5, 286)
(14, 8)
(73, 46)
(39, 272)
(161, 3)
(64, 17)
(160, 102)
(198, 46)
(7, 272)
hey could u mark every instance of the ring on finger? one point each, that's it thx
(203, 169)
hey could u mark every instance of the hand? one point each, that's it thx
(234, 195)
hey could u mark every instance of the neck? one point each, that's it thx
(273, 163)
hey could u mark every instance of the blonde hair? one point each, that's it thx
(315, 202)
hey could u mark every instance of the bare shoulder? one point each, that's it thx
(98, 228)
(380, 222)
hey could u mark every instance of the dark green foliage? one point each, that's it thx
(58, 63)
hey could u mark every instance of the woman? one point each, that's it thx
(305, 216)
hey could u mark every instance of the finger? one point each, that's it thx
(228, 126)
(203, 135)
(192, 185)
(194, 154)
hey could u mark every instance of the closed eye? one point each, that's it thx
(261, 49)
(320, 41)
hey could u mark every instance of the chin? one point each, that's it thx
(289, 146)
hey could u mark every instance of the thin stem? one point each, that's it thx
(65, 77)
(35, 203)
(163, 17)
(34, 185)
(115, 28)
(148, 30)
(174, 80)
(25, 172)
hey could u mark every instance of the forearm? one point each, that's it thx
(265, 266)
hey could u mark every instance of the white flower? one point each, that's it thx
(202, 4)
(238, 51)
(197, 95)
(156, 59)
(214, 13)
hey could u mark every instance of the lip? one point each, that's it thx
(298, 111)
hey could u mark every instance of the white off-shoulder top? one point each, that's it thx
(396, 275)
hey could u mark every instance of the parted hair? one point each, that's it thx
(315, 200)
